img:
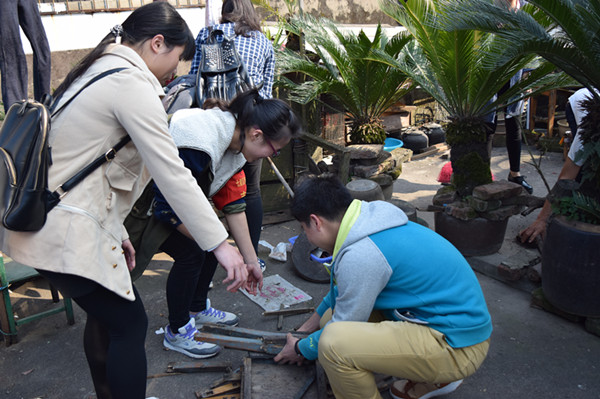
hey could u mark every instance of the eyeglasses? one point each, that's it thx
(275, 152)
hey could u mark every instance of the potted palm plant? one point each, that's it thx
(360, 74)
(463, 70)
(566, 33)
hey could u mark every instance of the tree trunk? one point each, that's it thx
(470, 165)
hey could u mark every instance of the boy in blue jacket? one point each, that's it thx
(403, 300)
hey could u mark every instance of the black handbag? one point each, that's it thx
(221, 74)
(25, 158)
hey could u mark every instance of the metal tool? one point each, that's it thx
(289, 312)
(244, 338)
(194, 367)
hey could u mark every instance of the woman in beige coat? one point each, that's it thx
(83, 249)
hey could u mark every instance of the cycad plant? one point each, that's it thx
(463, 70)
(564, 32)
(359, 73)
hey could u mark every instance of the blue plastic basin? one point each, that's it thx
(391, 144)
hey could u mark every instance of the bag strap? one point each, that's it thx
(55, 197)
(85, 86)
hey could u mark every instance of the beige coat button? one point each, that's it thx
(128, 291)
(114, 266)
(113, 248)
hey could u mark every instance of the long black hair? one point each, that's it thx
(144, 23)
(273, 116)
(242, 13)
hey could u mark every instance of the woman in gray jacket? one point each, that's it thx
(83, 248)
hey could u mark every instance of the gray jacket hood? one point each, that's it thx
(374, 217)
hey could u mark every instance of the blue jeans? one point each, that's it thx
(13, 64)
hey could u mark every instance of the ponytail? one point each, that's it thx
(272, 116)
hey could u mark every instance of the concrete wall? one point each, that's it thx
(72, 35)
(343, 11)
(85, 30)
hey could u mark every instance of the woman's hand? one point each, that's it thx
(129, 253)
(255, 278)
(288, 353)
(231, 260)
(537, 228)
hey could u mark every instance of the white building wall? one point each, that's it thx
(82, 31)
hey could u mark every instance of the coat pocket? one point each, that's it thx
(119, 177)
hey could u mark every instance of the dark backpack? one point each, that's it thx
(24, 196)
(221, 74)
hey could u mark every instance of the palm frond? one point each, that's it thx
(461, 69)
(564, 32)
(360, 72)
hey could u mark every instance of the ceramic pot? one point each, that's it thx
(416, 141)
(571, 266)
(473, 237)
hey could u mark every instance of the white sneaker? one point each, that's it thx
(184, 342)
(405, 389)
(212, 315)
(262, 264)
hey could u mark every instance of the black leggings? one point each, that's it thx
(189, 278)
(114, 343)
(513, 143)
(513, 136)
(254, 205)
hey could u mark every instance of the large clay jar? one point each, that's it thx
(415, 140)
(571, 266)
(473, 237)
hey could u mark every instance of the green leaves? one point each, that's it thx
(564, 32)
(578, 207)
(464, 68)
(363, 75)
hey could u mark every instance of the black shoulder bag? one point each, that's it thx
(25, 158)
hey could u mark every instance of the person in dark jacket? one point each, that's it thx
(13, 64)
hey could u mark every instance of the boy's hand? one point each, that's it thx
(288, 353)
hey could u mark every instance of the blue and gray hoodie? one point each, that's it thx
(381, 261)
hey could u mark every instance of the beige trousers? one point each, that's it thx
(350, 352)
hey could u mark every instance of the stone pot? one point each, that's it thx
(365, 190)
(473, 237)
(571, 266)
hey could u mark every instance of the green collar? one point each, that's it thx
(352, 213)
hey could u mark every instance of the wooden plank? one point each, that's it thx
(265, 379)
(343, 152)
(247, 378)
(321, 381)
(430, 151)
(273, 217)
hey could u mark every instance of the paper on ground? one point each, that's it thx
(278, 252)
(277, 292)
